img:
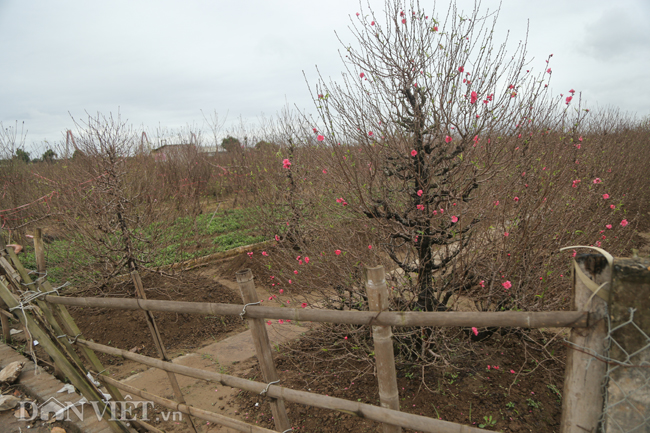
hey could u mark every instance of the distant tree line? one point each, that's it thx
(231, 144)
(48, 156)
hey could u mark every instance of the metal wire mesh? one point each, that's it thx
(627, 381)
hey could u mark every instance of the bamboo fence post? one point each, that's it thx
(69, 326)
(78, 378)
(582, 402)
(157, 339)
(383, 341)
(39, 251)
(262, 347)
(6, 334)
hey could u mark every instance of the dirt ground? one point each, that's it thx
(128, 330)
(500, 380)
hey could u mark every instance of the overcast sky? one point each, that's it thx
(162, 62)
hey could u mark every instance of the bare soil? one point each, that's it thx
(128, 330)
(516, 391)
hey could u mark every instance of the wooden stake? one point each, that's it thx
(382, 337)
(6, 334)
(582, 400)
(39, 251)
(157, 339)
(262, 347)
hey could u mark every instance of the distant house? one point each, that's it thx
(211, 150)
(168, 151)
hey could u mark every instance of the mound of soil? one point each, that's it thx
(230, 267)
(128, 330)
(518, 393)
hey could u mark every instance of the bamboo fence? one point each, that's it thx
(585, 321)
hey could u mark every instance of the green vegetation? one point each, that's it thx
(185, 239)
(488, 422)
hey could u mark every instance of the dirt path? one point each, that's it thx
(233, 355)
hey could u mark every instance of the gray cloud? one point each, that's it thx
(617, 34)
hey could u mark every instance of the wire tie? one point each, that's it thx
(36, 272)
(267, 387)
(288, 430)
(243, 312)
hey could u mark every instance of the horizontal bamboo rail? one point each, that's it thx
(375, 413)
(188, 410)
(519, 319)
